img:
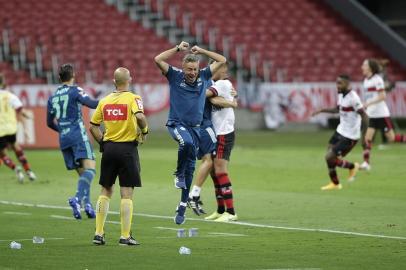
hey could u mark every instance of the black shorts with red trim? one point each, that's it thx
(6, 140)
(341, 145)
(120, 159)
(225, 144)
(383, 123)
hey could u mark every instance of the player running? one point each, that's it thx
(187, 97)
(377, 110)
(347, 133)
(64, 115)
(12, 112)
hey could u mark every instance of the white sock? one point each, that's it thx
(195, 192)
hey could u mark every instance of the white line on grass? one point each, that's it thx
(30, 239)
(166, 228)
(226, 234)
(248, 224)
(17, 213)
(71, 218)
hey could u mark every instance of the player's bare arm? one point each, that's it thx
(223, 103)
(326, 110)
(142, 123)
(96, 133)
(218, 58)
(364, 120)
(381, 97)
(160, 59)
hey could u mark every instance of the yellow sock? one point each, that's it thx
(126, 213)
(102, 207)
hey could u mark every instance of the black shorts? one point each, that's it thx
(120, 159)
(341, 145)
(383, 123)
(8, 139)
(225, 144)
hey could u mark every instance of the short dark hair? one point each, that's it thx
(345, 77)
(66, 72)
(374, 65)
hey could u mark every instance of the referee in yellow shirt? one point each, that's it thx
(125, 125)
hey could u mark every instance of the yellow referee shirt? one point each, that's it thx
(117, 112)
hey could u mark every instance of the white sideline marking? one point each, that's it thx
(30, 239)
(61, 217)
(167, 228)
(17, 213)
(72, 218)
(291, 269)
(248, 224)
(226, 234)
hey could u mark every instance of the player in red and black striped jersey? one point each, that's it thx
(348, 131)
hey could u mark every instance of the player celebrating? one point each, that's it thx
(122, 113)
(11, 112)
(223, 98)
(223, 121)
(376, 108)
(347, 134)
(187, 97)
(64, 115)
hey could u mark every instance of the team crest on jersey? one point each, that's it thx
(115, 112)
(139, 104)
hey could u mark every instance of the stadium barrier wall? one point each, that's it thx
(276, 104)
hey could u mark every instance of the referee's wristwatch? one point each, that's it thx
(144, 130)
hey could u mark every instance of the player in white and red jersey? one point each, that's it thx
(223, 121)
(347, 133)
(376, 108)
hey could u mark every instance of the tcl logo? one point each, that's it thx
(115, 112)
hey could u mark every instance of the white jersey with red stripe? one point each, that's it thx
(350, 120)
(372, 87)
(223, 118)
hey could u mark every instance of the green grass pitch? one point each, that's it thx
(276, 181)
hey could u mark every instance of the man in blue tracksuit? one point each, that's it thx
(187, 88)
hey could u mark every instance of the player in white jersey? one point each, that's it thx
(347, 133)
(11, 112)
(376, 108)
(223, 121)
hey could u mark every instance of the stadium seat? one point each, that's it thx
(309, 28)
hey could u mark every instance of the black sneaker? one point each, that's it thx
(99, 240)
(192, 204)
(130, 241)
(199, 206)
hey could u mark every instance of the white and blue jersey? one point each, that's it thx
(64, 114)
(187, 100)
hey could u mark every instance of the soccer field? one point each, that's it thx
(286, 222)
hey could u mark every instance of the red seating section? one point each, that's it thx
(16, 77)
(90, 34)
(303, 38)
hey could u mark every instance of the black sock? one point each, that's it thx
(231, 211)
(221, 209)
